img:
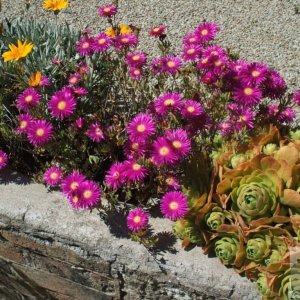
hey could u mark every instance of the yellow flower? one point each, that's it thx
(56, 5)
(17, 52)
(35, 79)
(110, 32)
(124, 29)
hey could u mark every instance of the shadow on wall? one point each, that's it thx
(7, 176)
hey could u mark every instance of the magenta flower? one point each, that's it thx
(180, 142)
(273, 110)
(137, 219)
(214, 51)
(134, 171)
(101, 43)
(172, 182)
(24, 121)
(163, 152)
(115, 176)
(157, 31)
(83, 68)
(136, 59)
(79, 123)
(169, 102)
(274, 86)
(62, 104)
(135, 73)
(53, 176)
(79, 91)
(28, 99)
(171, 64)
(253, 74)
(141, 127)
(246, 118)
(192, 109)
(286, 116)
(126, 40)
(174, 205)
(135, 149)
(191, 52)
(39, 132)
(226, 128)
(191, 38)
(3, 160)
(89, 194)
(238, 65)
(74, 79)
(70, 184)
(85, 46)
(44, 81)
(247, 95)
(156, 66)
(296, 97)
(209, 78)
(207, 31)
(95, 133)
(107, 10)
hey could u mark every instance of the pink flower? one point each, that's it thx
(226, 128)
(136, 59)
(180, 142)
(24, 121)
(62, 104)
(79, 91)
(79, 123)
(191, 38)
(53, 176)
(115, 176)
(174, 205)
(191, 52)
(163, 152)
(83, 68)
(141, 127)
(74, 79)
(287, 115)
(107, 10)
(28, 99)
(39, 132)
(126, 40)
(135, 149)
(169, 102)
(254, 73)
(207, 31)
(101, 43)
(156, 66)
(172, 182)
(70, 184)
(85, 46)
(171, 64)
(3, 160)
(134, 171)
(95, 133)
(88, 194)
(247, 95)
(245, 118)
(192, 109)
(274, 86)
(135, 73)
(157, 31)
(296, 97)
(44, 81)
(137, 219)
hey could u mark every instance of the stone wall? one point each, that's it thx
(49, 251)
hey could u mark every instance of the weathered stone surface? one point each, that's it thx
(70, 254)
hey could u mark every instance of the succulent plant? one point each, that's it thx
(258, 247)
(227, 248)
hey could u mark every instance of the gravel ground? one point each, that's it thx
(260, 30)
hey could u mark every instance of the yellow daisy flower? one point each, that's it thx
(124, 29)
(35, 79)
(17, 52)
(56, 5)
(110, 32)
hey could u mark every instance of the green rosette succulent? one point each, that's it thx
(290, 283)
(258, 247)
(278, 251)
(270, 149)
(237, 159)
(215, 219)
(295, 135)
(262, 285)
(187, 231)
(255, 196)
(227, 248)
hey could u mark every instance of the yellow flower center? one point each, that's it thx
(169, 102)
(74, 185)
(101, 41)
(204, 32)
(192, 40)
(116, 175)
(164, 151)
(75, 199)
(255, 73)
(136, 57)
(191, 109)
(124, 40)
(135, 146)
(156, 29)
(1, 159)
(218, 63)
(173, 205)
(23, 124)
(73, 80)
(141, 128)
(204, 60)
(190, 51)
(87, 194)
(28, 98)
(171, 64)
(213, 53)
(136, 167)
(61, 105)
(53, 175)
(106, 9)
(136, 72)
(40, 132)
(169, 180)
(177, 144)
(248, 91)
(137, 219)
(98, 131)
(85, 45)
